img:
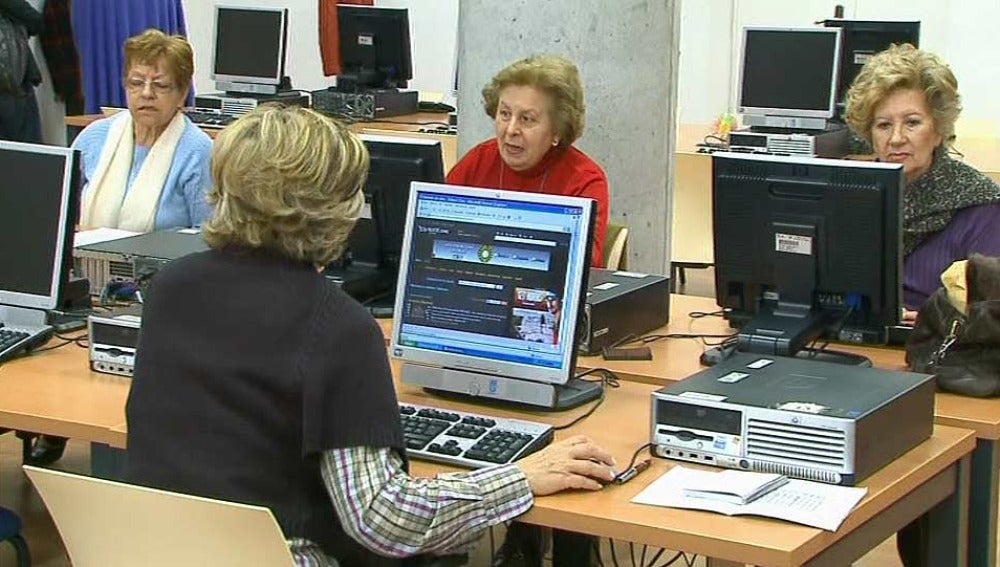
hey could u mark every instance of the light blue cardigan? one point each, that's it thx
(183, 202)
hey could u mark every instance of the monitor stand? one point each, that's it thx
(784, 330)
(490, 389)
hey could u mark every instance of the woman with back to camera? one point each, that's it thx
(905, 102)
(277, 391)
(146, 169)
(538, 112)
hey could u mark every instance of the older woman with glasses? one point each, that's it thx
(148, 168)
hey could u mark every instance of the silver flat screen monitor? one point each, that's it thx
(490, 287)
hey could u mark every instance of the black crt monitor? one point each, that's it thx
(39, 202)
(250, 46)
(860, 39)
(789, 72)
(377, 239)
(374, 48)
(491, 286)
(806, 248)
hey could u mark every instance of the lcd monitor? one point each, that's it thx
(374, 48)
(861, 39)
(490, 287)
(806, 249)
(39, 200)
(250, 46)
(789, 73)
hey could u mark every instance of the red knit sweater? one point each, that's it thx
(563, 171)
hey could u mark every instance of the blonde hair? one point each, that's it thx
(904, 67)
(286, 179)
(153, 46)
(554, 75)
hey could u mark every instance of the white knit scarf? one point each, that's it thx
(106, 204)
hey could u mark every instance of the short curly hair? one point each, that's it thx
(904, 67)
(152, 46)
(554, 75)
(289, 180)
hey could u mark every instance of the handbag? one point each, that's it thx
(961, 348)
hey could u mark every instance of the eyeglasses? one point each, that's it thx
(138, 84)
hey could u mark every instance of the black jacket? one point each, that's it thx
(21, 12)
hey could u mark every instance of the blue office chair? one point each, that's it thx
(10, 531)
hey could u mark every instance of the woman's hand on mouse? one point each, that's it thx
(574, 463)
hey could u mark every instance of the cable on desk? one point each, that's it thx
(699, 314)
(656, 337)
(608, 379)
(80, 340)
(52, 347)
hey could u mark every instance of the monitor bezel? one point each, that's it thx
(572, 305)
(257, 80)
(64, 228)
(828, 112)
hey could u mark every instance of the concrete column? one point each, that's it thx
(627, 52)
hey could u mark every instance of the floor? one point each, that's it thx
(47, 549)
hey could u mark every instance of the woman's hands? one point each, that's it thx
(576, 462)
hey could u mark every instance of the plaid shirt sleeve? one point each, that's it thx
(394, 514)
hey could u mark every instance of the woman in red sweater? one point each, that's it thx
(538, 112)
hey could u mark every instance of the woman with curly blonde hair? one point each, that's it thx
(261, 382)
(905, 102)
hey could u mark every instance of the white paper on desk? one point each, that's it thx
(815, 504)
(95, 235)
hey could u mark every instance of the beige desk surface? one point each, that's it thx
(53, 392)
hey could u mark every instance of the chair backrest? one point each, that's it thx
(616, 247)
(110, 524)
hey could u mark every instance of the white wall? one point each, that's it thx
(960, 32)
(433, 27)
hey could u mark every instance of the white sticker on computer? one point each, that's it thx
(793, 243)
(702, 396)
(760, 363)
(732, 377)
(606, 286)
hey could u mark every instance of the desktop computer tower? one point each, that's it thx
(240, 103)
(370, 104)
(620, 304)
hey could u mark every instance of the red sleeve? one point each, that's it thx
(596, 188)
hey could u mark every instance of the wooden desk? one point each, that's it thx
(933, 477)
(409, 124)
(675, 359)
(53, 392)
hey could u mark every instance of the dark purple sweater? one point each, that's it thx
(973, 229)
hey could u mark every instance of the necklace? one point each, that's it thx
(541, 186)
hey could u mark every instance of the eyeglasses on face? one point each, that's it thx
(136, 84)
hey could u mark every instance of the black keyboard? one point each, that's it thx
(467, 439)
(14, 340)
(210, 119)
